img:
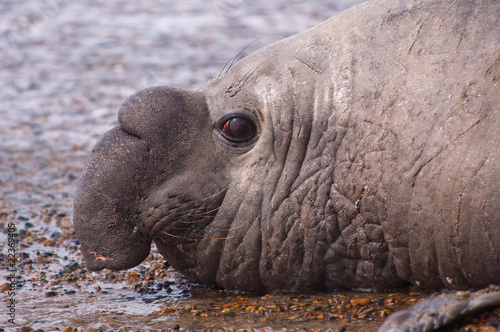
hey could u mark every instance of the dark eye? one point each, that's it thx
(238, 128)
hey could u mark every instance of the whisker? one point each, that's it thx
(204, 199)
(245, 78)
(172, 235)
(169, 243)
(222, 228)
(200, 214)
(220, 73)
(234, 228)
(213, 238)
(197, 221)
(234, 59)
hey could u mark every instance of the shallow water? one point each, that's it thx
(65, 67)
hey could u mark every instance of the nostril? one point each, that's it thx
(131, 114)
(141, 111)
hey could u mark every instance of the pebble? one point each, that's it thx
(363, 301)
(132, 276)
(49, 243)
(25, 329)
(64, 79)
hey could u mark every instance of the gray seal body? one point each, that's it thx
(363, 153)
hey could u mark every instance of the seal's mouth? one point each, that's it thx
(106, 202)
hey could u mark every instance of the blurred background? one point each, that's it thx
(65, 68)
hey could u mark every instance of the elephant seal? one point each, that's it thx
(362, 153)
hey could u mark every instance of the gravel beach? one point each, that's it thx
(65, 68)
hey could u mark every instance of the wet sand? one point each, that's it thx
(65, 68)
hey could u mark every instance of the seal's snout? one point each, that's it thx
(106, 203)
(158, 128)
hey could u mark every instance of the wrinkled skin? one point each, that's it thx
(373, 160)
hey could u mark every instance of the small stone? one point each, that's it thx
(4, 287)
(132, 275)
(28, 225)
(49, 243)
(463, 293)
(157, 266)
(25, 329)
(71, 267)
(363, 301)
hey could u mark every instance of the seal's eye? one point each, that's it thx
(238, 128)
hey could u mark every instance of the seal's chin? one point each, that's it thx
(105, 209)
